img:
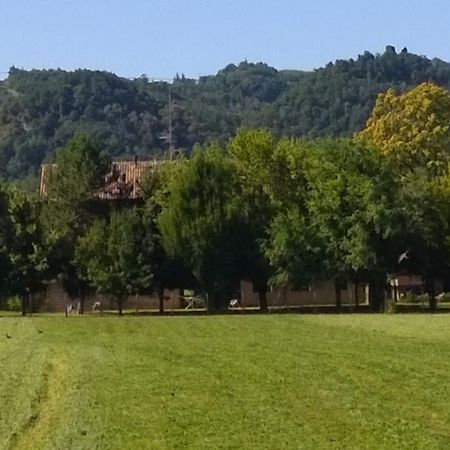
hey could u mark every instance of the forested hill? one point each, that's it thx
(40, 110)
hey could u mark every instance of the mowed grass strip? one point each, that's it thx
(252, 382)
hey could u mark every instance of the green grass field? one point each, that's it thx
(243, 382)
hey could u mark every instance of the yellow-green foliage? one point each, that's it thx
(413, 127)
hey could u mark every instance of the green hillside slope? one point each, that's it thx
(40, 110)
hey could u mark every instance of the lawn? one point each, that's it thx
(243, 382)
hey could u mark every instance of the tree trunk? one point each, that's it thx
(433, 303)
(338, 296)
(81, 310)
(395, 288)
(356, 296)
(24, 305)
(120, 306)
(262, 293)
(216, 302)
(30, 303)
(376, 293)
(429, 285)
(210, 301)
(161, 300)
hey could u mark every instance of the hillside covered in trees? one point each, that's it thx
(41, 109)
(282, 212)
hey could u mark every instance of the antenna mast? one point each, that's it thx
(171, 149)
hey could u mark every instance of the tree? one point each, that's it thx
(115, 256)
(353, 210)
(4, 226)
(252, 153)
(339, 219)
(426, 224)
(129, 116)
(80, 170)
(168, 271)
(202, 223)
(413, 128)
(24, 247)
(294, 249)
(70, 208)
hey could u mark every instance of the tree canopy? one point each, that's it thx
(40, 110)
(203, 224)
(23, 250)
(413, 128)
(276, 203)
(115, 255)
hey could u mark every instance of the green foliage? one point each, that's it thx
(252, 154)
(203, 225)
(14, 304)
(353, 206)
(70, 206)
(4, 234)
(41, 110)
(24, 249)
(71, 185)
(339, 217)
(115, 256)
(426, 223)
(293, 246)
(81, 166)
(293, 249)
(168, 271)
(412, 129)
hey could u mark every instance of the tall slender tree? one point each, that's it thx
(26, 253)
(70, 206)
(252, 153)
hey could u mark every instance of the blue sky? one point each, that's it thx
(197, 37)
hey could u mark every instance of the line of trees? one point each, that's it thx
(272, 210)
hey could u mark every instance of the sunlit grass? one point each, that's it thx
(249, 382)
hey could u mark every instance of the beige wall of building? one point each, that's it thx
(319, 293)
(56, 299)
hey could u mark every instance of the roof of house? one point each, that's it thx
(123, 181)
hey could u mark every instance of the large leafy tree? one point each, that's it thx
(293, 247)
(70, 206)
(203, 223)
(168, 270)
(426, 224)
(79, 172)
(339, 219)
(25, 249)
(353, 210)
(115, 256)
(413, 128)
(252, 153)
(4, 235)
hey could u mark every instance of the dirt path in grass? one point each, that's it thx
(46, 407)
